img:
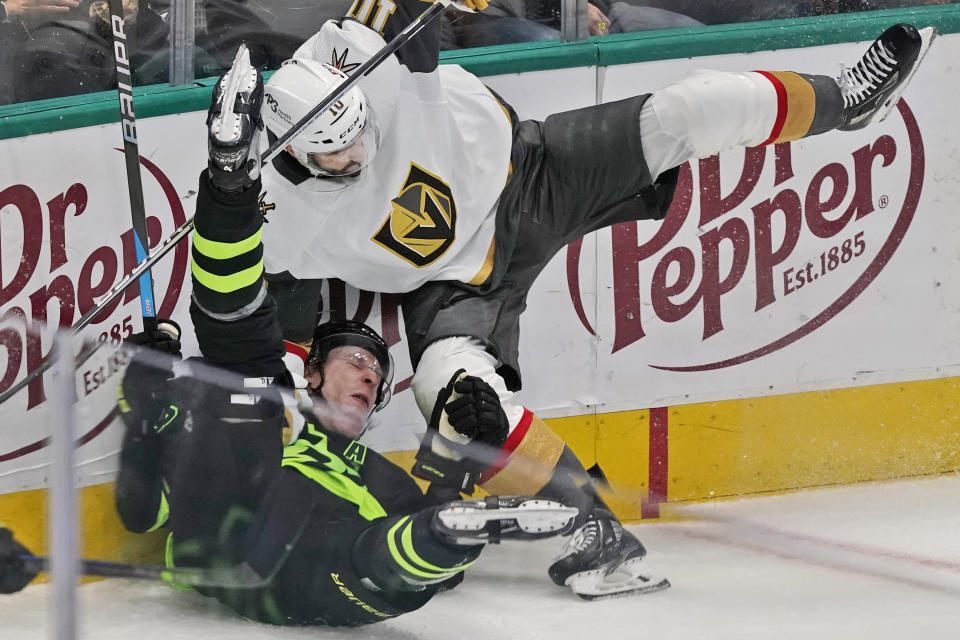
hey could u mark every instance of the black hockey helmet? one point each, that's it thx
(330, 335)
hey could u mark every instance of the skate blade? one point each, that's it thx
(631, 578)
(532, 516)
(927, 36)
(242, 78)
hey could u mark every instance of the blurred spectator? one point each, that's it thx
(724, 11)
(221, 25)
(611, 16)
(502, 22)
(843, 6)
(23, 10)
(299, 18)
(70, 55)
(628, 15)
(16, 16)
(727, 11)
(52, 48)
(54, 52)
(622, 17)
(69, 50)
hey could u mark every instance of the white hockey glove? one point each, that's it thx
(233, 126)
(466, 431)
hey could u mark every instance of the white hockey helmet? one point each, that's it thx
(342, 140)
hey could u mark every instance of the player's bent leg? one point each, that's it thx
(712, 111)
(600, 544)
(535, 460)
(442, 358)
(402, 553)
(602, 560)
(432, 546)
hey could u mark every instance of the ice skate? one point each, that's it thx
(604, 560)
(872, 87)
(501, 518)
(233, 125)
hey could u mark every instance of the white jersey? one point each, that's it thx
(425, 208)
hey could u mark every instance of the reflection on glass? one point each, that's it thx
(622, 16)
(54, 48)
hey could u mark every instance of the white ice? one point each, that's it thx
(874, 561)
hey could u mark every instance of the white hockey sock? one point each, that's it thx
(442, 358)
(705, 113)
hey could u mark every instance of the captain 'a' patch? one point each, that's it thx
(422, 221)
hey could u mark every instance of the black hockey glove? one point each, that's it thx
(142, 389)
(477, 413)
(464, 434)
(14, 576)
(165, 338)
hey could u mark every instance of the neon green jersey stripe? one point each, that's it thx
(342, 487)
(225, 250)
(400, 560)
(272, 609)
(163, 512)
(168, 558)
(406, 538)
(230, 283)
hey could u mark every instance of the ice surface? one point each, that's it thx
(874, 561)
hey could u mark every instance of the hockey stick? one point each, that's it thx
(131, 154)
(101, 304)
(398, 41)
(240, 576)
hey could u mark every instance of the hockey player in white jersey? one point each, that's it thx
(421, 181)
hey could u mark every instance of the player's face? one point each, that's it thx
(345, 162)
(351, 377)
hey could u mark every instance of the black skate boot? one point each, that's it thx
(496, 518)
(872, 87)
(233, 126)
(603, 560)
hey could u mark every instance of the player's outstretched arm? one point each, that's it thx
(149, 413)
(234, 317)
(388, 19)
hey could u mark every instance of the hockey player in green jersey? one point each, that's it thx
(251, 465)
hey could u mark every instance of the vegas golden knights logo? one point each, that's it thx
(423, 220)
